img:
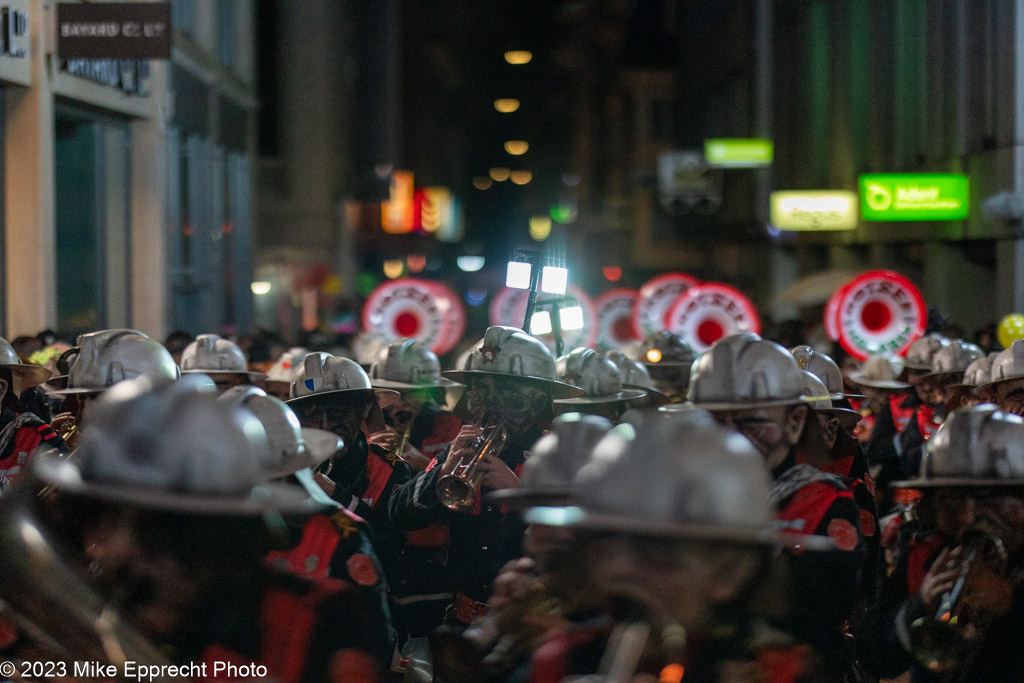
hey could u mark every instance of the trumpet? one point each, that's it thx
(942, 642)
(457, 490)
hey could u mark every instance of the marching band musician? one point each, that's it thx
(523, 606)
(418, 429)
(1005, 387)
(221, 360)
(20, 433)
(104, 358)
(755, 386)
(510, 383)
(953, 608)
(668, 357)
(334, 394)
(906, 421)
(601, 378)
(333, 543)
(671, 537)
(165, 502)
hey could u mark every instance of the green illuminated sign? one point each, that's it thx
(739, 152)
(814, 210)
(913, 197)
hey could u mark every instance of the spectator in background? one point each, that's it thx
(47, 337)
(26, 346)
(985, 337)
(176, 342)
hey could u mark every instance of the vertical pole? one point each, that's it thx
(531, 302)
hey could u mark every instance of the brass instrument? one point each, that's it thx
(50, 603)
(457, 490)
(405, 439)
(402, 443)
(942, 642)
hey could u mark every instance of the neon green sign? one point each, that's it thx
(739, 152)
(914, 197)
(814, 210)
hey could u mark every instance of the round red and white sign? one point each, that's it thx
(656, 297)
(508, 307)
(409, 308)
(615, 317)
(710, 311)
(880, 312)
(455, 316)
(831, 315)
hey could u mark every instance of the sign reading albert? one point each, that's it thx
(914, 197)
(114, 30)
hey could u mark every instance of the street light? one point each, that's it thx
(518, 57)
(506, 105)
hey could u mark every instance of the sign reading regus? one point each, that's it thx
(914, 197)
(814, 210)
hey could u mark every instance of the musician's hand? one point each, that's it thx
(325, 483)
(498, 476)
(417, 460)
(462, 446)
(386, 438)
(511, 580)
(61, 423)
(940, 578)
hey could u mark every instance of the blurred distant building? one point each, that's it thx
(329, 140)
(126, 183)
(211, 148)
(84, 184)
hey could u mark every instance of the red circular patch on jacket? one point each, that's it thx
(362, 569)
(843, 534)
(867, 523)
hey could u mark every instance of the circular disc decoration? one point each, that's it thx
(410, 308)
(455, 316)
(831, 316)
(615, 318)
(710, 311)
(880, 312)
(508, 307)
(656, 297)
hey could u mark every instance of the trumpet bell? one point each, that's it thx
(455, 493)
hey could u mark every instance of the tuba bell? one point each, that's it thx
(48, 601)
(457, 490)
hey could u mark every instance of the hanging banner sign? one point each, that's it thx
(814, 210)
(615, 318)
(656, 296)
(914, 197)
(880, 312)
(739, 152)
(706, 313)
(508, 307)
(410, 308)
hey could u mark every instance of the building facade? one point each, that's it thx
(92, 179)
